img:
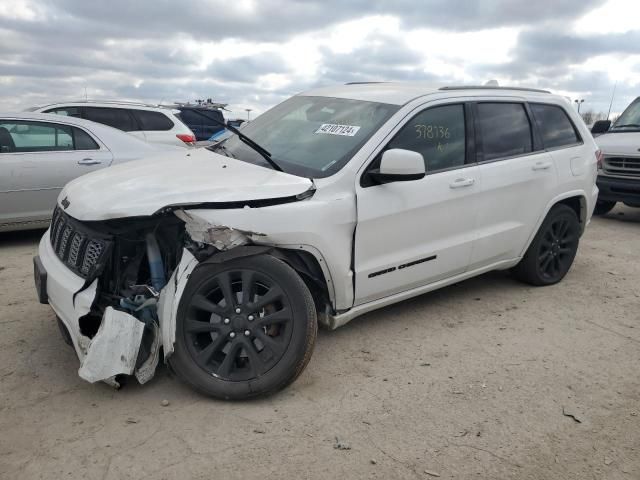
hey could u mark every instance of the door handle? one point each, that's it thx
(542, 166)
(462, 182)
(89, 161)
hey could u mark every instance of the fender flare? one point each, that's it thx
(563, 196)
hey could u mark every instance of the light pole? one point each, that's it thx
(248, 110)
(579, 102)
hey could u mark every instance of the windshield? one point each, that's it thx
(630, 118)
(311, 137)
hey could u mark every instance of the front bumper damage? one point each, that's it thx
(115, 348)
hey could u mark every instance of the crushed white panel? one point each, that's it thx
(114, 349)
(147, 370)
(169, 299)
(220, 236)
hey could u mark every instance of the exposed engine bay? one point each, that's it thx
(131, 260)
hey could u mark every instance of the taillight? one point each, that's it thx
(599, 158)
(187, 138)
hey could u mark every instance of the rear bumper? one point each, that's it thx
(613, 189)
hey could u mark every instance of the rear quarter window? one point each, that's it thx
(554, 125)
(114, 117)
(83, 141)
(152, 121)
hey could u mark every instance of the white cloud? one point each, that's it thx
(615, 16)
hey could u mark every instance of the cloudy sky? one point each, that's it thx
(255, 53)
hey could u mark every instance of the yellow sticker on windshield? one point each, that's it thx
(335, 129)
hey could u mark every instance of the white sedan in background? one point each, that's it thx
(40, 153)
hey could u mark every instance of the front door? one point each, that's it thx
(417, 232)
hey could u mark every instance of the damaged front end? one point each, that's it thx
(125, 264)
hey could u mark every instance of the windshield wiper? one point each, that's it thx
(630, 125)
(264, 153)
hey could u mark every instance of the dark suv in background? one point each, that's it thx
(204, 120)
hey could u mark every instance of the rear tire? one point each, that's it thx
(244, 328)
(551, 253)
(603, 207)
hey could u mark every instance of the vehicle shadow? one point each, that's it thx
(622, 213)
(21, 238)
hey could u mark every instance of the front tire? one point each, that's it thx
(551, 253)
(244, 328)
(603, 207)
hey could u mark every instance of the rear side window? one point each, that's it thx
(83, 141)
(152, 120)
(66, 111)
(25, 136)
(114, 117)
(438, 134)
(554, 125)
(505, 130)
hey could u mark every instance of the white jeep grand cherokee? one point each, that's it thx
(334, 203)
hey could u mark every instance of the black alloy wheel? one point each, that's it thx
(558, 247)
(238, 325)
(553, 249)
(245, 328)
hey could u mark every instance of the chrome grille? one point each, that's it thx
(622, 166)
(79, 250)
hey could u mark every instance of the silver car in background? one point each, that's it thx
(40, 153)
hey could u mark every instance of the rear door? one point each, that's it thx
(36, 160)
(518, 180)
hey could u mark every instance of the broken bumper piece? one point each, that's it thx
(115, 347)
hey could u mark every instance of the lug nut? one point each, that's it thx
(226, 321)
(250, 318)
(247, 333)
(237, 310)
(232, 335)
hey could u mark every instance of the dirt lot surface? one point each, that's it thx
(467, 382)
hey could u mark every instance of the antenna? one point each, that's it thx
(612, 95)
(85, 93)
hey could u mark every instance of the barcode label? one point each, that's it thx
(335, 129)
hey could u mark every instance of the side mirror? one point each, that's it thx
(601, 126)
(398, 165)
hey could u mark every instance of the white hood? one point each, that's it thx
(619, 143)
(143, 187)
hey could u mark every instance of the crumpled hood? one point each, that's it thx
(619, 143)
(143, 187)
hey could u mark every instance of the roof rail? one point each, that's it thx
(204, 105)
(362, 83)
(489, 87)
(120, 102)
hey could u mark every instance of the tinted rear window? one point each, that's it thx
(201, 117)
(554, 125)
(83, 141)
(114, 117)
(152, 120)
(505, 130)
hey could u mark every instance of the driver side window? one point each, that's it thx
(438, 134)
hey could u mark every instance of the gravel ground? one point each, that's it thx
(467, 382)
